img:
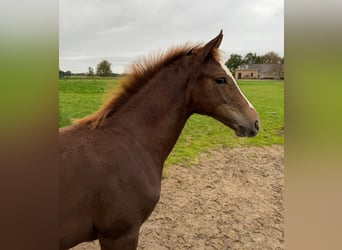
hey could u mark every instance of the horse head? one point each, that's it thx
(215, 92)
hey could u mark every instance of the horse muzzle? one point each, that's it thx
(248, 131)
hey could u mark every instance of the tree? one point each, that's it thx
(103, 68)
(271, 58)
(250, 58)
(90, 72)
(61, 74)
(234, 62)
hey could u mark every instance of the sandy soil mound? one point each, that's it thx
(231, 199)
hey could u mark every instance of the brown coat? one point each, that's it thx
(111, 161)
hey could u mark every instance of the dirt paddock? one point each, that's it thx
(231, 199)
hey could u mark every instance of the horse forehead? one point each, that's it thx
(224, 67)
(212, 66)
(219, 64)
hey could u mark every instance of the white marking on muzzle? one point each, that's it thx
(224, 67)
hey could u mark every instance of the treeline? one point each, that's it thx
(103, 69)
(237, 60)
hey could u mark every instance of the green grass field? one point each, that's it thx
(80, 97)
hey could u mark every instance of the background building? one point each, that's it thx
(260, 71)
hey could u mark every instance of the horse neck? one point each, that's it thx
(156, 114)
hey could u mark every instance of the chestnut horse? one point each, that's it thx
(111, 161)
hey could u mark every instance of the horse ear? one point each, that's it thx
(213, 44)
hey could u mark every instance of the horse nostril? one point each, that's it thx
(256, 125)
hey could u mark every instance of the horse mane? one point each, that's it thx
(138, 74)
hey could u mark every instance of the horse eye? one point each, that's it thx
(221, 80)
(189, 53)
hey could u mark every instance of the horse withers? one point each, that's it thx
(111, 161)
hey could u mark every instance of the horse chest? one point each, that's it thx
(133, 193)
(147, 192)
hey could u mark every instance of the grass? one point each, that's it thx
(79, 97)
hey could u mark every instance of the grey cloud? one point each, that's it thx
(123, 30)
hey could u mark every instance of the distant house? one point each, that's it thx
(260, 71)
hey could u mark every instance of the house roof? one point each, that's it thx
(261, 67)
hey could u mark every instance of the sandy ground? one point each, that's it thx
(231, 199)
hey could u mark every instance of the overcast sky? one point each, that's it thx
(121, 31)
